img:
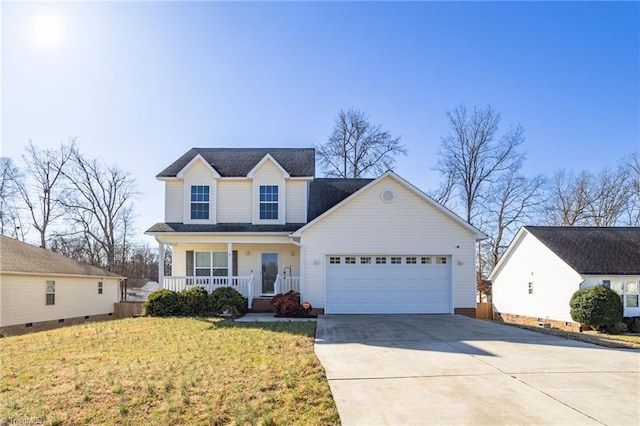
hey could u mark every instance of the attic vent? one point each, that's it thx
(387, 196)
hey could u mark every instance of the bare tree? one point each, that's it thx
(473, 155)
(42, 187)
(612, 191)
(632, 209)
(357, 148)
(100, 203)
(568, 199)
(512, 205)
(10, 217)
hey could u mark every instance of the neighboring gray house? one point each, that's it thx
(544, 265)
(259, 220)
(40, 289)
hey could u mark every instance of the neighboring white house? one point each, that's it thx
(258, 220)
(40, 289)
(544, 265)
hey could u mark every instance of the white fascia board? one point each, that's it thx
(62, 275)
(261, 162)
(477, 233)
(165, 178)
(198, 157)
(308, 178)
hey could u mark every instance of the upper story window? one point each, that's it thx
(200, 202)
(268, 201)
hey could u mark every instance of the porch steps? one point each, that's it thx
(261, 304)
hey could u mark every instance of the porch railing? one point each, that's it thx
(285, 284)
(244, 285)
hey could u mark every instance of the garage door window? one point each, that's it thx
(396, 260)
(350, 260)
(441, 260)
(381, 260)
(425, 260)
(411, 260)
(334, 260)
(365, 260)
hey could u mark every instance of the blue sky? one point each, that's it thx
(140, 83)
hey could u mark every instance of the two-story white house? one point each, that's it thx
(258, 219)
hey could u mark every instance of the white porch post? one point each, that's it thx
(303, 269)
(229, 263)
(161, 264)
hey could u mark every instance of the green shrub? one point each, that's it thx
(287, 304)
(193, 301)
(162, 302)
(633, 324)
(227, 300)
(597, 307)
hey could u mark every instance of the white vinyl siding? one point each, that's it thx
(268, 174)
(366, 225)
(296, 201)
(23, 298)
(554, 282)
(173, 200)
(234, 201)
(199, 174)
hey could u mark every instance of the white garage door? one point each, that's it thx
(388, 284)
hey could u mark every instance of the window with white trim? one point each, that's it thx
(381, 260)
(268, 202)
(350, 260)
(334, 260)
(425, 260)
(441, 260)
(365, 260)
(396, 260)
(530, 287)
(99, 287)
(200, 202)
(50, 293)
(211, 264)
(411, 260)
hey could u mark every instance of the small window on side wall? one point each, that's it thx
(99, 287)
(606, 283)
(530, 288)
(51, 293)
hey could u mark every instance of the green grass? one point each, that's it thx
(167, 371)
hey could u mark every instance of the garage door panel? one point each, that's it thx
(388, 288)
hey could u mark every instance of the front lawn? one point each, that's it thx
(166, 371)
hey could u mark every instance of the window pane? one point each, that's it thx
(269, 193)
(268, 210)
(203, 272)
(203, 259)
(632, 287)
(617, 286)
(200, 193)
(220, 260)
(220, 272)
(365, 260)
(200, 211)
(51, 286)
(632, 301)
(51, 299)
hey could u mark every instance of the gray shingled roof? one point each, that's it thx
(238, 162)
(16, 256)
(593, 250)
(325, 193)
(223, 227)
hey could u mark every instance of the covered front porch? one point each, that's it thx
(255, 270)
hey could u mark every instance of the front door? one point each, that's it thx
(269, 272)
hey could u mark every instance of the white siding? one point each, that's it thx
(408, 225)
(199, 174)
(296, 205)
(268, 174)
(554, 282)
(234, 201)
(591, 280)
(24, 298)
(174, 201)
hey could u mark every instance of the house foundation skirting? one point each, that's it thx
(467, 312)
(536, 322)
(17, 329)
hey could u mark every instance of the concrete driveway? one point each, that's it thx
(449, 369)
